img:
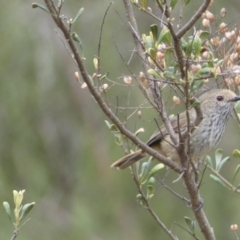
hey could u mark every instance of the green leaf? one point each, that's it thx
(37, 5)
(26, 209)
(173, 3)
(165, 36)
(155, 169)
(236, 172)
(208, 160)
(219, 63)
(112, 127)
(154, 30)
(186, 2)
(7, 209)
(148, 42)
(140, 130)
(204, 71)
(236, 153)
(77, 39)
(78, 15)
(190, 223)
(223, 161)
(196, 85)
(152, 53)
(144, 4)
(150, 187)
(218, 157)
(197, 46)
(218, 180)
(145, 168)
(153, 72)
(204, 35)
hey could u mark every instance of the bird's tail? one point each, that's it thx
(128, 160)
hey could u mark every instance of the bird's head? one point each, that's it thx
(218, 101)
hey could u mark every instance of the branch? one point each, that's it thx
(15, 234)
(156, 96)
(148, 207)
(226, 182)
(99, 99)
(193, 20)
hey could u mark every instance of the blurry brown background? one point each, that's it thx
(49, 126)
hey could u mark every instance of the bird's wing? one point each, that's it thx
(177, 121)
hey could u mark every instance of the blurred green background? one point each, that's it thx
(55, 144)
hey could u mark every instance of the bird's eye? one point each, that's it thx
(219, 98)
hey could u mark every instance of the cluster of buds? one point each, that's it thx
(207, 17)
(160, 54)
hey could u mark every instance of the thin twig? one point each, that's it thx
(15, 234)
(190, 233)
(194, 18)
(225, 181)
(148, 207)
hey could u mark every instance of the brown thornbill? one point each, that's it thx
(216, 106)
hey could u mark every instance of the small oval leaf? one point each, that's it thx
(26, 209)
(7, 209)
(78, 15)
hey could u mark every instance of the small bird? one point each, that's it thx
(216, 106)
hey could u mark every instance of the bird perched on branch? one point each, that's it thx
(216, 106)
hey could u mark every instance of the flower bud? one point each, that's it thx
(205, 54)
(77, 76)
(127, 80)
(196, 67)
(159, 56)
(223, 12)
(84, 85)
(209, 16)
(142, 76)
(215, 41)
(176, 100)
(223, 27)
(139, 113)
(234, 227)
(162, 47)
(206, 23)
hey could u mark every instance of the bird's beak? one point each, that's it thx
(235, 99)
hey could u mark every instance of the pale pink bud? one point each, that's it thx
(77, 76)
(196, 67)
(223, 27)
(139, 113)
(206, 23)
(84, 85)
(223, 12)
(176, 100)
(234, 227)
(142, 76)
(210, 16)
(127, 80)
(159, 56)
(205, 54)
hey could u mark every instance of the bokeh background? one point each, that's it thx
(56, 146)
